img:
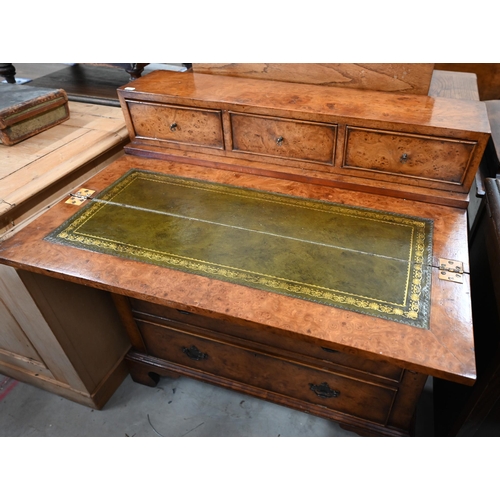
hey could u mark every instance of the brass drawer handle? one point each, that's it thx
(173, 127)
(404, 158)
(279, 141)
(323, 390)
(193, 353)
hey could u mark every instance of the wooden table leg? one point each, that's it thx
(8, 71)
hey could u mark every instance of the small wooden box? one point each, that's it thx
(26, 111)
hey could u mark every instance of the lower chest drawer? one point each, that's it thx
(195, 323)
(177, 124)
(271, 373)
(406, 156)
(282, 138)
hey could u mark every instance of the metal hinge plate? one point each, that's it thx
(80, 196)
(451, 270)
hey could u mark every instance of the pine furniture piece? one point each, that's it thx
(307, 270)
(41, 343)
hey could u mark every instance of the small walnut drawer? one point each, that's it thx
(279, 137)
(177, 124)
(274, 374)
(407, 155)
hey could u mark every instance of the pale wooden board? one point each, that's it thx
(30, 166)
(21, 362)
(12, 338)
(17, 299)
(15, 220)
(83, 117)
(454, 85)
(27, 182)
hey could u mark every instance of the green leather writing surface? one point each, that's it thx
(368, 261)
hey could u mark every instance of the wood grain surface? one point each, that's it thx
(454, 84)
(43, 168)
(404, 78)
(488, 76)
(303, 100)
(445, 350)
(258, 118)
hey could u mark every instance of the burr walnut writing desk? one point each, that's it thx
(283, 240)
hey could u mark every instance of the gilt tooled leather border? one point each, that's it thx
(414, 310)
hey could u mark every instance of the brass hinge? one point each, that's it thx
(80, 196)
(451, 270)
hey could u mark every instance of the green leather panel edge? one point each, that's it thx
(369, 261)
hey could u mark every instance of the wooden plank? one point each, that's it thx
(20, 303)
(16, 217)
(24, 363)
(13, 338)
(96, 344)
(404, 78)
(26, 182)
(95, 400)
(454, 85)
(18, 166)
(26, 162)
(83, 117)
(46, 143)
(488, 76)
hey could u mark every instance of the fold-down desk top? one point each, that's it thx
(372, 290)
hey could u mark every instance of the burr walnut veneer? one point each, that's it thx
(410, 146)
(409, 156)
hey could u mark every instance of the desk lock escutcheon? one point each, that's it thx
(194, 353)
(323, 390)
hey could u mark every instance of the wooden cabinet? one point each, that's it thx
(238, 250)
(363, 140)
(41, 343)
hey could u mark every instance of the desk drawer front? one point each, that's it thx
(177, 124)
(283, 138)
(405, 155)
(280, 376)
(191, 321)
